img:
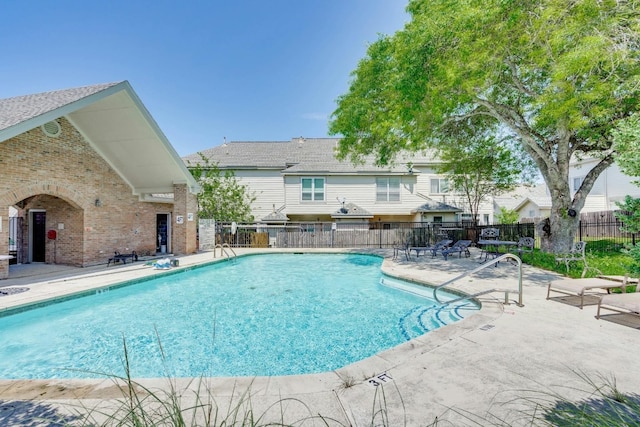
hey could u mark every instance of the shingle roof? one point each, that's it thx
(351, 210)
(310, 155)
(434, 206)
(275, 216)
(16, 110)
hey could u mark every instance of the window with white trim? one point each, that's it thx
(313, 189)
(577, 182)
(387, 189)
(439, 185)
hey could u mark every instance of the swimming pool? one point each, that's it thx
(276, 314)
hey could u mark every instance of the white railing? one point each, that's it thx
(223, 250)
(475, 270)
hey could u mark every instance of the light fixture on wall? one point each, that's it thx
(98, 203)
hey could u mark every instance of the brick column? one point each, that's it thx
(185, 220)
(4, 240)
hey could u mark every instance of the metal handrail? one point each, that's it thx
(475, 270)
(223, 251)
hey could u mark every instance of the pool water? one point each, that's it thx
(276, 314)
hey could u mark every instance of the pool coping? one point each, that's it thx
(364, 370)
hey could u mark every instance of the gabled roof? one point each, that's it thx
(351, 210)
(434, 206)
(299, 156)
(116, 124)
(275, 216)
(543, 202)
(517, 198)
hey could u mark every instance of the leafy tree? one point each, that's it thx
(556, 75)
(626, 137)
(222, 198)
(629, 214)
(507, 216)
(479, 166)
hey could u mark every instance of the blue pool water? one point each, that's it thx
(276, 314)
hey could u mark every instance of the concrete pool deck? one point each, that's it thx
(476, 369)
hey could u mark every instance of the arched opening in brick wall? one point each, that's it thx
(44, 228)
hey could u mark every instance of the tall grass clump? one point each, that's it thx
(192, 405)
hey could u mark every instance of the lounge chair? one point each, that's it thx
(459, 247)
(444, 243)
(579, 287)
(621, 303)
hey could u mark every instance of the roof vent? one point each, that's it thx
(51, 128)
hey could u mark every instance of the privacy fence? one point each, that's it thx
(347, 235)
(601, 229)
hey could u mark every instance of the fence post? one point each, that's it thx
(580, 230)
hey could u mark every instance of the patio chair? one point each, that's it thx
(576, 254)
(525, 245)
(578, 287)
(402, 247)
(460, 247)
(489, 234)
(626, 303)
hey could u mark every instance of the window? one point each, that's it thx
(485, 218)
(437, 219)
(466, 218)
(439, 185)
(387, 189)
(313, 189)
(577, 182)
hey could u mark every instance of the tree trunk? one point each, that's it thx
(561, 232)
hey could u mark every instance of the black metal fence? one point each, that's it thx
(603, 231)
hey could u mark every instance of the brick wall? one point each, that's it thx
(65, 176)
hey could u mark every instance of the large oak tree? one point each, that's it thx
(555, 75)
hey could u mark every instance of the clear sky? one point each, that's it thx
(247, 70)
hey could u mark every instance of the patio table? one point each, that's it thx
(490, 247)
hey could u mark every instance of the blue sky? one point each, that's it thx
(246, 70)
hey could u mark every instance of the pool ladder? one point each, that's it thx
(223, 250)
(475, 270)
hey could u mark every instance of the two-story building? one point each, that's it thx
(302, 181)
(611, 187)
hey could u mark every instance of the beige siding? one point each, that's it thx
(266, 186)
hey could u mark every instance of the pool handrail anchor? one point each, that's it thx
(223, 250)
(480, 268)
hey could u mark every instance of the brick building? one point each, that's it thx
(85, 172)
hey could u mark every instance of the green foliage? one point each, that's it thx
(629, 214)
(507, 216)
(554, 77)
(630, 217)
(222, 198)
(626, 137)
(479, 166)
(603, 257)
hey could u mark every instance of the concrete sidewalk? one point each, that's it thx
(478, 367)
